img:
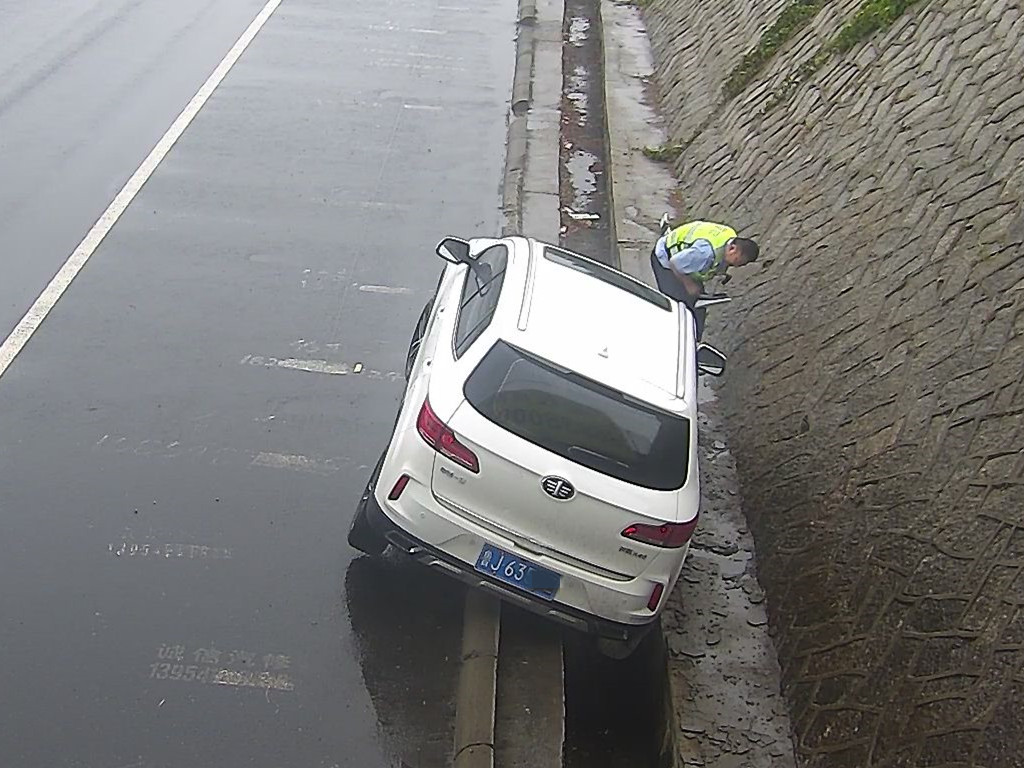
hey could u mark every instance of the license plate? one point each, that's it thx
(518, 572)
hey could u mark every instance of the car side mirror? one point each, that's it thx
(454, 250)
(710, 360)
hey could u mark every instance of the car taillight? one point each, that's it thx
(398, 487)
(668, 535)
(656, 593)
(439, 437)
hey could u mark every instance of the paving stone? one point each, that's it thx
(732, 569)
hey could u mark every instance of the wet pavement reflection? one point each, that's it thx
(407, 623)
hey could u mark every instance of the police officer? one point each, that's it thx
(690, 255)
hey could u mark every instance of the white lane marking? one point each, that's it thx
(317, 366)
(296, 462)
(383, 289)
(160, 450)
(388, 105)
(389, 27)
(383, 205)
(399, 64)
(412, 55)
(30, 323)
(310, 366)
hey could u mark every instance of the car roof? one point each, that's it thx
(596, 321)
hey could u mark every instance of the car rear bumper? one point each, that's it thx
(574, 618)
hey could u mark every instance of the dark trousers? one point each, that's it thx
(669, 284)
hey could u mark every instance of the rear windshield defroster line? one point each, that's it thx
(579, 419)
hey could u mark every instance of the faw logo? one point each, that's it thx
(558, 488)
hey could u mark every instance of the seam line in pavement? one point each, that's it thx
(46, 301)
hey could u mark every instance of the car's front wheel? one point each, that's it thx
(417, 338)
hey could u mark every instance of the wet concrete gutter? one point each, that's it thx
(588, 226)
(723, 705)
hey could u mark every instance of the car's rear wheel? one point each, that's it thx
(361, 535)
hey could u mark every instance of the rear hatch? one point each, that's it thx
(565, 465)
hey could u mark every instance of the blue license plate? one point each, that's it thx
(518, 572)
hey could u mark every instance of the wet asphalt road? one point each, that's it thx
(177, 477)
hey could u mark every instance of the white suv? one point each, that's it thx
(546, 445)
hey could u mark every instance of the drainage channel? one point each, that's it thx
(584, 185)
(614, 709)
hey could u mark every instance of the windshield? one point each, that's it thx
(579, 419)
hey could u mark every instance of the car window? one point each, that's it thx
(580, 419)
(479, 296)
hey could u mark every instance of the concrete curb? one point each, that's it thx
(616, 256)
(522, 80)
(475, 699)
(515, 153)
(515, 171)
(478, 680)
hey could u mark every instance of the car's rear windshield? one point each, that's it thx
(580, 419)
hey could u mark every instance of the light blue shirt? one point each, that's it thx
(695, 258)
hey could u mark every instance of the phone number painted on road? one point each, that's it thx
(171, 664)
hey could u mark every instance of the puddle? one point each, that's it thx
(578, 29)
(582, 179)
(577, 93)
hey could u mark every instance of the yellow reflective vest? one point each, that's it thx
(718, 235)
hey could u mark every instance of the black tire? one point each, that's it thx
(361, 534)
(410, 357)
(417, 338)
